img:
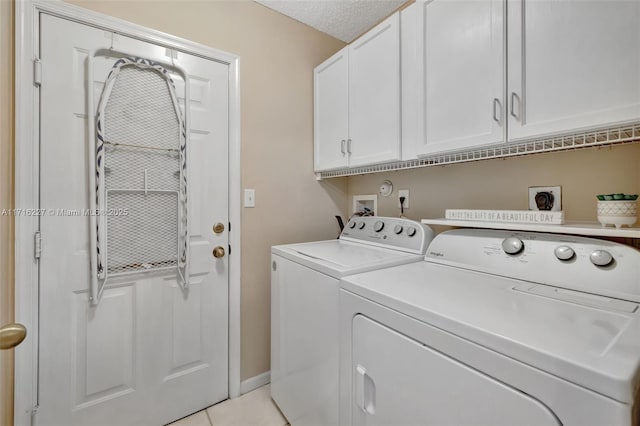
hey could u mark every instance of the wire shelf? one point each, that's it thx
(595, 138)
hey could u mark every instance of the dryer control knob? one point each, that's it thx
(411, 231)
(512, 245)
(361, 225)
(564, 253)
(601, 258)
(378, 226)
(352, 224)
(398, 229)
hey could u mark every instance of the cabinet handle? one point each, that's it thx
(349, 146)
(515, 96)
(342, 146)
(496, 116)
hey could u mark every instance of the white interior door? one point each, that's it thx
(149, 352)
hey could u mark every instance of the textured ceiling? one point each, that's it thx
(342, 19)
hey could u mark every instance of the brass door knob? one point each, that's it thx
(218, 252)
(218, 228)
(11, 335)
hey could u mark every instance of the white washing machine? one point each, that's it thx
(304, 308)
(495, 328)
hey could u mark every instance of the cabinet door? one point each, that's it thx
(461, 71)
(408, 80)
(573, 65)
(330, 113)
(374, 95)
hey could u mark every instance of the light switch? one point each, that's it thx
(249, 197)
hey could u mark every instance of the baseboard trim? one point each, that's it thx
(255, 382)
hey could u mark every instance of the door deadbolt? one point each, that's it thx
(218, 252)
(218, 228)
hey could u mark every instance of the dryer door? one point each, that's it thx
(399, 381)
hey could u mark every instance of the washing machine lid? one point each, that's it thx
(339, 258)
(589, 340)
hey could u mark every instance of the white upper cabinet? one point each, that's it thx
(409, 80)
(461, 74)
(331, 112)
(357, 101)
(573, 65)
(455, 75)
(374, 94)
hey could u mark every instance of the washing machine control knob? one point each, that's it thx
(378, 226)
(512, 245)
(398, 229)
(411, 231)
(564, 253)
(352, 224)
(601, 258)
(361, 225)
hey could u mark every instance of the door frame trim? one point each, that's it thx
(27, 177)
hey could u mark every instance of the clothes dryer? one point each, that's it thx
(495, 328)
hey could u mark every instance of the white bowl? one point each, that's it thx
(617, 212)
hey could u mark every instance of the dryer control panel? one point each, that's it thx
(578, 263)
(389, 232)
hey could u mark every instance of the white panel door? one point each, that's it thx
(399, 381)
(374, 95)
(149, 352)
(331, 112)
(573, 65)
(460, 74)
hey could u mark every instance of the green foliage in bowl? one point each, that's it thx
(617, 197)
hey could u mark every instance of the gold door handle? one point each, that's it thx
(11, 335)
(218, 228)
(218, 252)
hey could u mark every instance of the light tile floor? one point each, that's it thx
(255, 408)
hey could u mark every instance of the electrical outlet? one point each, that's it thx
(249, 197)
(403, 193)
(545, 198)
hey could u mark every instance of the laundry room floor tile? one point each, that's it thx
(255, 408)
(198, 419)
